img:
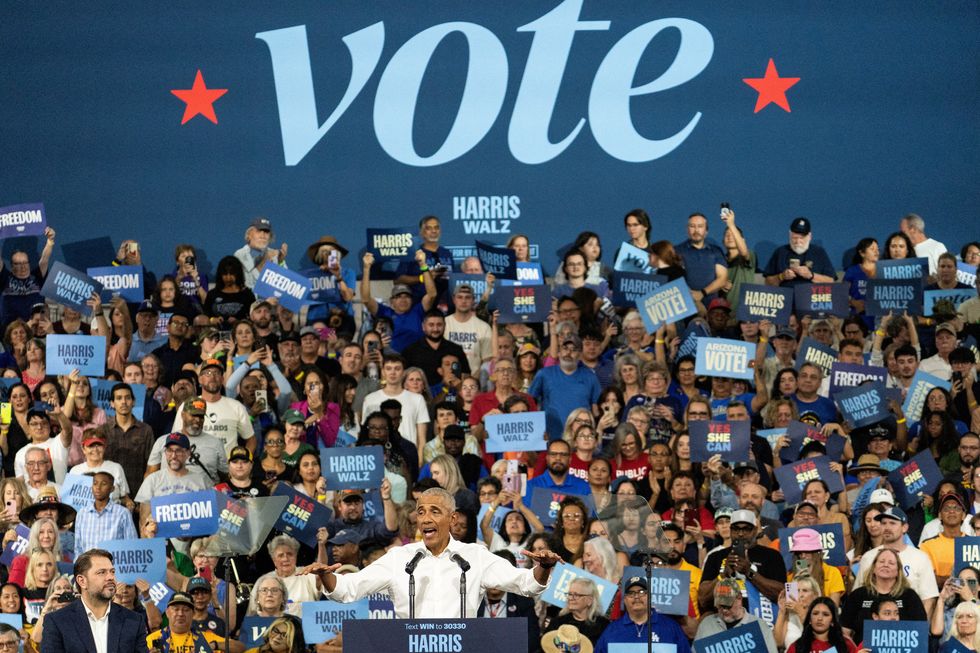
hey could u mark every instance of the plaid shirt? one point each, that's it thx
(93, 527)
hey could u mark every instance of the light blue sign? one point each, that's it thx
(290, 288)
(561, 578)
(495, 520)
(632, 259)
(160, 594)
(725, 358)
(966, 273)
(353, 467)
(14, 620)
(864, 404)
(669, 303)
(22, 220)
(670, 588)
(76, 491)
(124, 281)
(69, 287)
(322, 620)
(62, 354)
(516, 432)
(344, 439)
(771, 435)
(18, 546)
(896, 636)
(102, 396)
(957, 296)
(144, 559)
(323, 286)
(185, 514)
(528, 274)
(915, 398)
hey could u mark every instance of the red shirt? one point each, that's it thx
(634, 469)
(579, 468)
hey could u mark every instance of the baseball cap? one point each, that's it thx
(293, 416)
(572, 338)
(351, 495)
(528, 348)
(180, 598)
(309, 331)
(453, 432)
(946, 326)
(785, 332)
(400, 289)
(723, 513)
(800, 226)
(464, 288)
(727, 593)
(952, 496)
(93, 439)
(637, 580)
(261, 223)
(893, 513)
(148, 307)
(40, 307)
(289, 336)
(744, 517)
(806, 504)
(177, 439)
(720, 302)
(345, 536)
(195, 406)
(259, 304)
(746, 465)
(805, 540)
(211, 362)
(198, 583)
(240, 453)
(881, 495)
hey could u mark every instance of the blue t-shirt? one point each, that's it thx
(719, 407)
(408, 325)
(814, 258)
(699, 264)
(816, 413)
(409, 267)
(559, 394)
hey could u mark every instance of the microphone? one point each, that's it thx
(458, 559)
(414, 562)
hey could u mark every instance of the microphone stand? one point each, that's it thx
(411, 596)
(462, 595)
(648, 566)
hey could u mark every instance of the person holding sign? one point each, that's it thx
(20, 286)
(731, 614)
(436, 564)
(407, 318)
(632, 627)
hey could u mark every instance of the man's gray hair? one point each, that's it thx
(446, 497)
(915, 221)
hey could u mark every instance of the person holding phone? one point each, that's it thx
(337, 282)
(800, 261)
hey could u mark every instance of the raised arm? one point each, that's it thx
(365, 285)
(429, 298)
(42, 264)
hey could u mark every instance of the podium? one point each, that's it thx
(436, 635)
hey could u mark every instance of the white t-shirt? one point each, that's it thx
(930, 249)
(473, 336)
(57, 452)
(227, 420)
(120, 489)
(163, 483)
(936, 366)
(916, 564)
(211, 450)
(414, 411)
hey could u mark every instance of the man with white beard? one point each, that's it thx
(800, 261)
(560, 389)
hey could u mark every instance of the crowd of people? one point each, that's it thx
(241, 394)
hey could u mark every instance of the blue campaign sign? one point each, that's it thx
(160, 594)
(69, 287)
(144, 559)
(344, 439)
(695, 330)
(392, 243)
(627, 287)
(915, 398)
(966, 273)
(897, 296)
(13, 620)
(849, 375)
(516, 432)
(323, 620)
(186, 514)
(528, 274)
(831, 537)
(495, 520)
(102, 396)
(966, 552)
(476, 281)
(864, 404)
(292, 289)
(522, 304)
(669, 303)
(756, 303)
(323, 286)
(436, 635)
(253, 630)
(561, 577)
(896, 636)
(380, 605)
(725, 358)
(83, 353)
(76, 491)
(957, 296)
(545, 503)
(18, 546)
(746, 638)
(302, 517)
(729, 439)
(801, 434)
(794, 476)
(904, 268)
(671, 588)
(124, 281)
(353, 467)
(232, 514)
(636, 647)
(499, 261)
(821, 299)
(771, 435)
(631, 258)
(914, 479)
(817, 353)
(22, 220)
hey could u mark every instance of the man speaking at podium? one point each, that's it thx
(437, 562)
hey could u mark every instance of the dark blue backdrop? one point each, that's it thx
(883, 121)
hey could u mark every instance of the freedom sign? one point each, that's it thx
(323, 620)
(627, 287)
(916, 478)
(66, 353)
(292, 289)
(794, 476)
(302, 517)
(501, 262)
(561, 578)
(956, 295)
(18, 546)
(966, 273)
(915, 398)
(323, 286)
(897, 296)
(139, 559)
(516, 432)
(756, 303)
(669, 303)
(831, 537)
(125, 281)
(353, 467)
(729, 439)
(671, 588)
(821, 299)
(864, 404)
(392, 243)
(69, 287)
(850, 375)
(819, 354)
(725, 358)
(746, 638)
(528, 274)
(518, 304)
(22, 220)
(966, 552)
(631, 258)
(896, 636)
(185, 514)
(902, 268)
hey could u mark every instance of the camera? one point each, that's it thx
(191, 260)
(66, 597)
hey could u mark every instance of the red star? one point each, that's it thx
(200, 99)
(772, 88)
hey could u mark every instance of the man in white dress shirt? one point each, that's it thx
(437, 575)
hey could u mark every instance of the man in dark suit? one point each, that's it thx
(498, 604)
(93, 623)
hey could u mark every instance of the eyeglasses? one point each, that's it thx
(275, 443)
(681, 370)
(180, 323)
(376, 428)
(275, 632)
(9, 646)
(576, 595)
(634, 594)
(269, 590)
(572, 516)
(586, 436)
(488, 493)
(36, 463)
(505, 370)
